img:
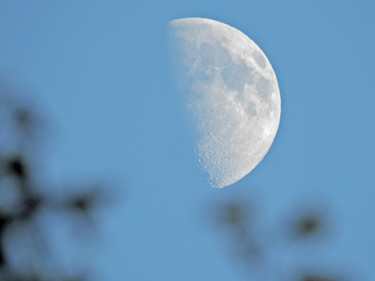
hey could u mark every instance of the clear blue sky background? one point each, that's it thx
(102, 71)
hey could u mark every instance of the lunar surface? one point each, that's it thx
(231, 94)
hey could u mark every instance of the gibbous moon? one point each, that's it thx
(231, 94)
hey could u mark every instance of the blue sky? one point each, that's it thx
(102, 71)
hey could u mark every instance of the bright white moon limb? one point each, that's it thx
(232, 96)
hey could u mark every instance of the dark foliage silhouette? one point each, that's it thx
(22, 202)
(255, 247)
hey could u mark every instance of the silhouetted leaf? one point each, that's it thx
(4, 221)
(309, 222)
(30, 206)
(234, 214)
(16, 166)
(85, 202)
(23, 117)
(308, 225)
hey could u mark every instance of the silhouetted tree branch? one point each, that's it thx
(17, 181)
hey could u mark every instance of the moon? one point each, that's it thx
(231, 94)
